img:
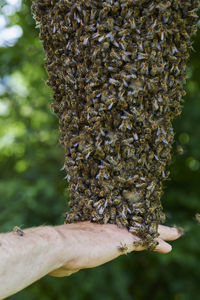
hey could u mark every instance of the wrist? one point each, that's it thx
(64, 237)
(51, 242)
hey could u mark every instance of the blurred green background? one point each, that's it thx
(33, 191)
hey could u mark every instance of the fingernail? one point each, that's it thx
(168, 248)
(163, 248)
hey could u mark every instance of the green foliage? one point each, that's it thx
(33, 191)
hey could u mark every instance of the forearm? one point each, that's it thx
(25, 259)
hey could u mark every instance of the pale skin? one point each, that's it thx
(65, 249)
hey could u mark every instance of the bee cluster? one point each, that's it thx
(117, 69)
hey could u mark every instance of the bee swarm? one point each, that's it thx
(117, 69)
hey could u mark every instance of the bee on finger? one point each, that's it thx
(18, 230)
(123, 249)
(138, 244)
(197, 217)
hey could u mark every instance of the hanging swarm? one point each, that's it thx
(117, 69)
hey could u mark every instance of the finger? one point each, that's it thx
(162, 246)
(169, 233)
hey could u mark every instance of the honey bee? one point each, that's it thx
(98, 204)
(137, 230)
(144, 68)
(140, 185)
(162, 217)
(137, 219)
(106, 218)
(138, 244)
(150, 156)
(142, 56)
(102, 175)
(99, 153)
(113, 213)
(137, 205)
(121, 222)
(123, 249)
(151, 245)
(110, 22)
(132, 23)
(95, 216)
(117, 200)
(126, 124)
(120, 179)
(179, 149)
(18, 230)
(154, 70)
(197, 217)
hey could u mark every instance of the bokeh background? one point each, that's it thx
(33, 190)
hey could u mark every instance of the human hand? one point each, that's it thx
(95, 244)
